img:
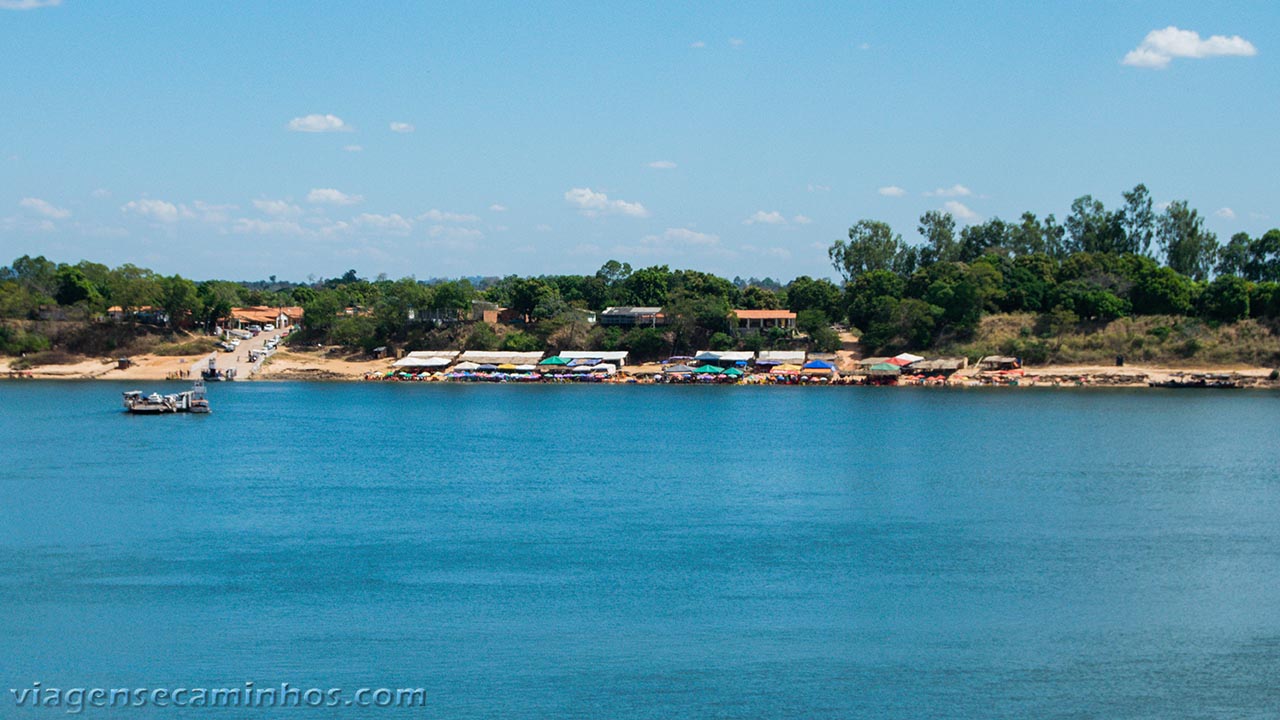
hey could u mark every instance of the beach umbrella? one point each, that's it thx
(884, 368)
(526, 368)
(786, 369)
(604, 367)
(678, 368)
(582, 369)
(733, 372)
(819, 365)
(554, 360)
(486, 367)
(709, 370)
(507, 367)
(908, 358)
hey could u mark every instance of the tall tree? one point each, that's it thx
(1091, 228)
(1138, 220)
(872, 245)
(938, 228)
(1188, 247)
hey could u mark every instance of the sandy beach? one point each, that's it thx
(329, 364)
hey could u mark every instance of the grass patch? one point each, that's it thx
(199, 346)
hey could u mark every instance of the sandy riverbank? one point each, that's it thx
(328, 365)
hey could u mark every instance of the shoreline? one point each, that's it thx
(311, 367)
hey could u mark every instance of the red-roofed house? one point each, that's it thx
(751, 322)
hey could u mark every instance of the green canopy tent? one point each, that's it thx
(554, 360)
(709, 369)
(733, 372)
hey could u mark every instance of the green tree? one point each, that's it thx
(74, 287)
(1091, 228)
(938, 229)
(872, 245)
(1138, 221)
(805, 293)
(1188, 247)
(481, 337)
(1226, 299)
(180, 299)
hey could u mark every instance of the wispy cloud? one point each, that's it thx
(27, 4)
(44, 208)
(802, 220)
(892, 191)
(736, 42)
(591, 203)
(819, 188)
(959, 209)
(1160, 47)
(772, 217)
(402, 127)
(496, 207)
(330, 196)
(319, 124)
(1225, 213)
(159, 210)
(697, 44)
(277, 208)
(100, 193)
(662, 165)
(440, 216)
(353, 148)
(956, 190)
(681, 236)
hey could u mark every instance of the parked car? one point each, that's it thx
(268, 328)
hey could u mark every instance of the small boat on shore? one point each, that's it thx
(192, 401)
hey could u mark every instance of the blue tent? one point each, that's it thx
(819, 365)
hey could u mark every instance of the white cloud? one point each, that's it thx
(330, 196)
(100, 193)
(864, 46)
(353, 148)
(960, 210)
(662, 165)
(1225, 213)
(277, 208)
(440, 216)
(45, 208)
(1160, 47)
(819, 188)
(956, 190)
(697, 44)
(255, 226)
(892, 191)
(802, 219)
(155, 209)
(591, 203)
(318, 124)
(736, 42)
(208, 212)
(681, 236)
(772, 217)
(27, 4)
(497, 208)
(402, 127)
(393, 223)
(543, 228)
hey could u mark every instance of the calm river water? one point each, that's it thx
(649, 552)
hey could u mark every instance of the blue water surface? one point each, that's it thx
(649, 552)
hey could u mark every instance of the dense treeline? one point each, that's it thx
(1097, 265)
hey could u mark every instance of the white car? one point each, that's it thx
(268, 328)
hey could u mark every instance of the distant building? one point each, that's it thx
(752, 322)
(631, 317)
(263, 315)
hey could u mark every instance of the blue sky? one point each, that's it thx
(243, 140)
